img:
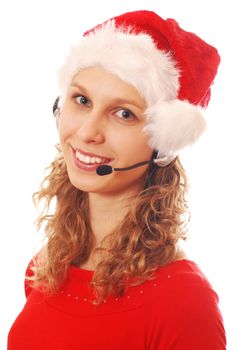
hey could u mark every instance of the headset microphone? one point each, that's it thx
(107, 169)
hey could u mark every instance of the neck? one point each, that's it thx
(106, 212)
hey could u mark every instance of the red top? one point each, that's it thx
(177, 310)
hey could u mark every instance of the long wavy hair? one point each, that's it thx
(156, 222)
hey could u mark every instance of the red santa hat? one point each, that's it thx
(171, 68)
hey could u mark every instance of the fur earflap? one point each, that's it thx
(171, 126)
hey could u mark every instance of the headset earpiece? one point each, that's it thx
(56, 110)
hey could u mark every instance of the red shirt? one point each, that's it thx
(177, 310)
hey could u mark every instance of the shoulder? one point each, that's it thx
(30, 271)
(28, 278)
(186, 290)
(186, 307)
(185, 287)
(182, 274)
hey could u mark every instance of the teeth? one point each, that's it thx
(89, 160)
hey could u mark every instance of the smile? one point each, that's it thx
(90, 160)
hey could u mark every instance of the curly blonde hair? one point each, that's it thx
(157, 221)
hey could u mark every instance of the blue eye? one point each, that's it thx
(82, 100)
(125, 114)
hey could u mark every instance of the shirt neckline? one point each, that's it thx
(89, 273)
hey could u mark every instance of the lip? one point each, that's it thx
(87, 167)
(91, 154)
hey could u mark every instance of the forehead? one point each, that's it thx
(99, 82)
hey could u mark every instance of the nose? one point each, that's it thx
(91, 129)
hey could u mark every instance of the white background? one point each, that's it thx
(34, 39)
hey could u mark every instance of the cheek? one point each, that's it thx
(132, 144)
(66, 126)
(63, 129)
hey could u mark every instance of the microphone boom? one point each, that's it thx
(107, 169)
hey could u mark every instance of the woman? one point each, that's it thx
(111, 275)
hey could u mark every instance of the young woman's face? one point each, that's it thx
(101, 122)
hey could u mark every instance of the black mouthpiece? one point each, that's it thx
(104, 170)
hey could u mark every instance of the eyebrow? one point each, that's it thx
(116, 100)
(82, 88)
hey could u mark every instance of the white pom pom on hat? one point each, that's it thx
(181, 120)
(171, 68)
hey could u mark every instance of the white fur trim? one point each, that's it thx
(133, 58)
(173, 125)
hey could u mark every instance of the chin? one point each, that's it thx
(87, 183)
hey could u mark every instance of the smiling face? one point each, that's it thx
(101, 122)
